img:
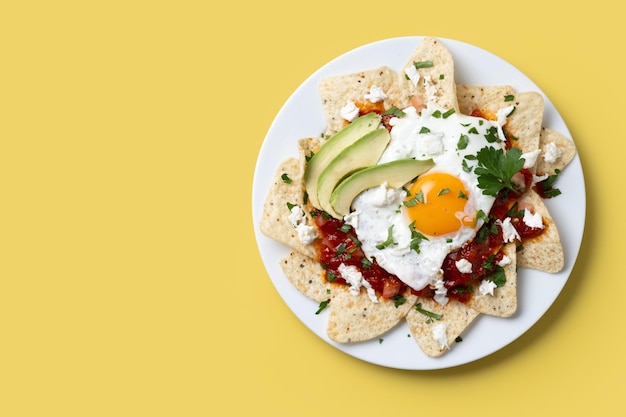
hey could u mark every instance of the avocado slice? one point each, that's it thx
(363, 153)
(395, 174)
(329, 150)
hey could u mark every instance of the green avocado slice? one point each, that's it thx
(329, 150)
(394, 173)
(363, 153)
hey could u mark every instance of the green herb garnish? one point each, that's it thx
(423, 64)
(394, 111)
(389, 240)
(431, 316)
(496, 169)
(322, 306)
(416, 238)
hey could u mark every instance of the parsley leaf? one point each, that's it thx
(389, 240)
(462, 143)
(394, 111)
(416, 238)
(498, 277)
(422, 64)
(322, 306)
(496, 168)
(427, 313)
(398, 300)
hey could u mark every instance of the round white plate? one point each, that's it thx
(302, 116)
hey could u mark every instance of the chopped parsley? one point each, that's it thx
(462, 143)
(416, 238)
(546, 188)
(492, 135)
(448, 113)
(509, 97)
(366, 263)
(394, 111)
(431, 316)
(322, 306)
(417, 198)
(286, 178)
(389, 240)
(398, 300)
(423, 64)
(498, 277)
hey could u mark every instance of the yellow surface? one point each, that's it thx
(130, 281)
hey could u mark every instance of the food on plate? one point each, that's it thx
(420, 201)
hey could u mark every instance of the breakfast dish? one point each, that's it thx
(418, 206)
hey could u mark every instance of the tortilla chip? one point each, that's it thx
(503, 302)
(488, 99)
(545, 252)
(275, 222)
(455, 315)
(435, 83)
(566, 146)
(525, 122)
(355, 318)
(336, 92)
(306, 274)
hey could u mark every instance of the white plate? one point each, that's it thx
(302, 116)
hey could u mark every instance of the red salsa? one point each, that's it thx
(340, 245)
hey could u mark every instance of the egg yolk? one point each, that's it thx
(436, 204)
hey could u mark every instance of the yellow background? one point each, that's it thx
(130, 281)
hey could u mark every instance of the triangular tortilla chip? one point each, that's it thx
(356, 318)
(275, 222)
(545, 252)
(503, 302)
(436, 82)
(525, 122)
(455, 316)
(488, 99)
(336, 92)
(306, 274)
(565, 146)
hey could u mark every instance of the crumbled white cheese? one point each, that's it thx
(355, 280)
(429, 145)
(501, 116)
(532, 220)
(439, 334)
(376, 94)
(486, 287)
(441, 293)
(350, 111)
(413, 74)
(539, 178)
(384, 196)
(306, 234)
(464, 266)
(430, 89)
(530, 158)
(551, 152)
(504, 261)
(509, 234)
(370, 291)
(352, 218)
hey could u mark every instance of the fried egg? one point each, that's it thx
(410, 230)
